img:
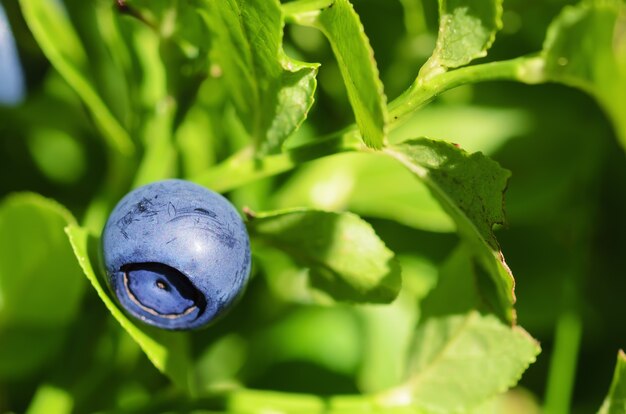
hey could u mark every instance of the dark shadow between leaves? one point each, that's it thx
(463, 286)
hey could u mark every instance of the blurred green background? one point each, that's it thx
(565, 239)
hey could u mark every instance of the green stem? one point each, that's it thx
(159, 158)
(569, 326)
(120, 169)
(414, 20)
(563, 363)
(426, 88)
(243, 167)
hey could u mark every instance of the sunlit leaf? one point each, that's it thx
(271, 91)
(49, 398)
(461, 361)
(252, 401)
(387, 335)
(346, 259)
(515, 401)
(62, 46)
(466, 31)
(342, 26)
(475, 128)
(367, 184)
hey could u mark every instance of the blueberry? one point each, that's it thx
(12, 88)
(176, 254)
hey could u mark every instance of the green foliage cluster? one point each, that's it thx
(360, 139)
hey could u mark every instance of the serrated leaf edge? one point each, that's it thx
(402, 395)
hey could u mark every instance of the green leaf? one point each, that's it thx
(467, 30)
(60, 43)
(341, 25)
(40, 282)
(159, 109)
(113, 58)
(242, 167)
(461, 361)
(272, 92)
(350, 404)
(414, 17)
(586, 48)
(168, 351)
(367, 184)
(515, 401)
(195, 141)
(346, 259)
(177, 42)
(386, 338)
(50, 398)
(462, 286)
(159, 160)
(252, 401)
(475, 128)
(470, 188)
(615, 401)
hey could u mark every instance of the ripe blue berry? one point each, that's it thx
(177, 255)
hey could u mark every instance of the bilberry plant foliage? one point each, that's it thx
(358, 141)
